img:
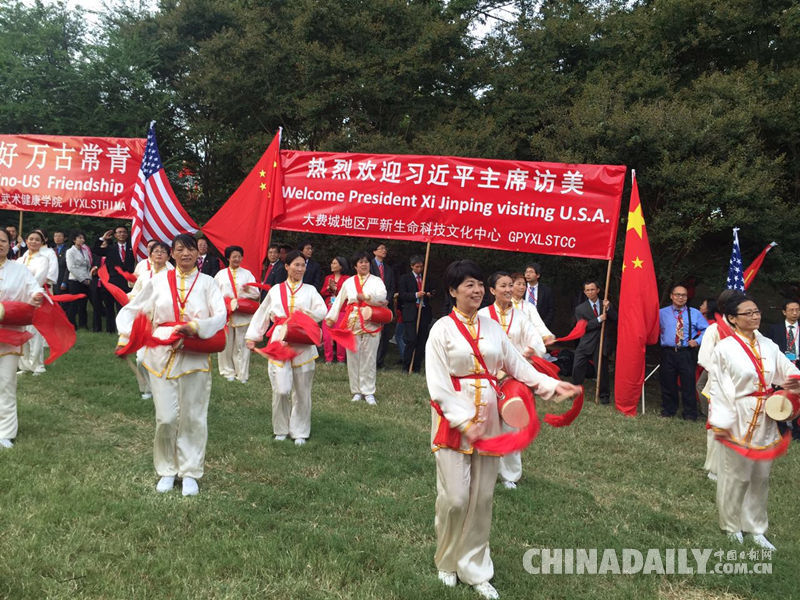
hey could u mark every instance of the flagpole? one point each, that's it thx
(419, 306)
(19, 229)
(602, 333)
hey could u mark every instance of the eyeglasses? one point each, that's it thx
(681, 295)
(749, 313)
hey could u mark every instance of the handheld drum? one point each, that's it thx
(783, 405)
(298, 329)
(376, 314)
(511, 405)
(16, 313)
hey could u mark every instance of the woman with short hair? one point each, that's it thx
(463, 356)
(330, 289)
(358, 291)
(234, 360)
(743, 370)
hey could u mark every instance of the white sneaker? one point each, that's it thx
(147, 396)
(509, 485)
(736, 537)
(230, 378)
(448, 578)
(370, 399)
(6, 443)
(300, 441)
(20, 372)
(763, 542)
(712, 476)
(280, 438)
(486, 590)
(356, 398)
(165, 484)
(190, 487)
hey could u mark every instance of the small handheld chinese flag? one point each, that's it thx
(638, 309)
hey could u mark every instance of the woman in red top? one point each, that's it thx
(330, 288)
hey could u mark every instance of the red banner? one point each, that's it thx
(64, 174)
(537, 207)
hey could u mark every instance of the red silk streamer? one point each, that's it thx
(117, 292)
(343, 337)
(577, 332)
(723, 328)
(279, 351)
(51, 321)
(568, 417)
(141, 335)
(761, 453)
(67, 297)
(13, 337)
(545, 366)
(130, 277)
(262, 286)
(513, 441)
(17, 313)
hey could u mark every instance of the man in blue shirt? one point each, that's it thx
(682, 330)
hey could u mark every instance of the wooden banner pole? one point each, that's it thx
(419, 306)
(602, 334)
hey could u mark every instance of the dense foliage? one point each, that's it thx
(699, 96)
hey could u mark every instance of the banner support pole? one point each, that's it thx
(419, 306)
(602, 334)
(19, 228)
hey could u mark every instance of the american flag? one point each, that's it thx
(158, 214)
(735, 276)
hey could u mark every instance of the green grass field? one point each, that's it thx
(349, 515)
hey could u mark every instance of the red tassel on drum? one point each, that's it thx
(545, 366)
(67, 297)
(130, 277)
(568, 417)
(344, 337)
(577, 332)
(117, 292)
(12, 337)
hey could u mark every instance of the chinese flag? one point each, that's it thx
(246, 218)
(750, 272)
(638, 310)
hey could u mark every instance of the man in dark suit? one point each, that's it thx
(313, 274)
(786, 335)
(60, 248)
(379, 268)
(115, 247)
(275, 271)
(540, 295)
(594, 311)
(207, 263)
(411, 297)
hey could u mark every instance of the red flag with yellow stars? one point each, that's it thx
(638, 310)
(246, 218)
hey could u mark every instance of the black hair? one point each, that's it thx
(305, 243)
(39, 232)
(457, 271)
(592, 281)
(723, 298)
(789, 301)
(291, 256)
(276, 246)
(359, 255)
(8, 235)
(158, 244)
(74, 234)
(345, 265)
(732, 306)
(711, 306)
(377, 245)
(188, 241)
(494, 277)
(677, 285)
(125, 227)
(416, 259)
(536, 267)
(231, 249)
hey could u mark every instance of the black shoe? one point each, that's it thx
(666, 415)
(605, 400)
(689, 417)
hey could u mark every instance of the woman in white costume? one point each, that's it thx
(291, 380)
(711, 338)
(16, 285)
(519, 286)
(156, 262)
(362, 288)
(461, 385)
(744, 368)
(38, 264)
(234, 361)
(525, 339)
(187, 302)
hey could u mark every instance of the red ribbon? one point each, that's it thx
(128, 276)
(117, 292)
(577, 332)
